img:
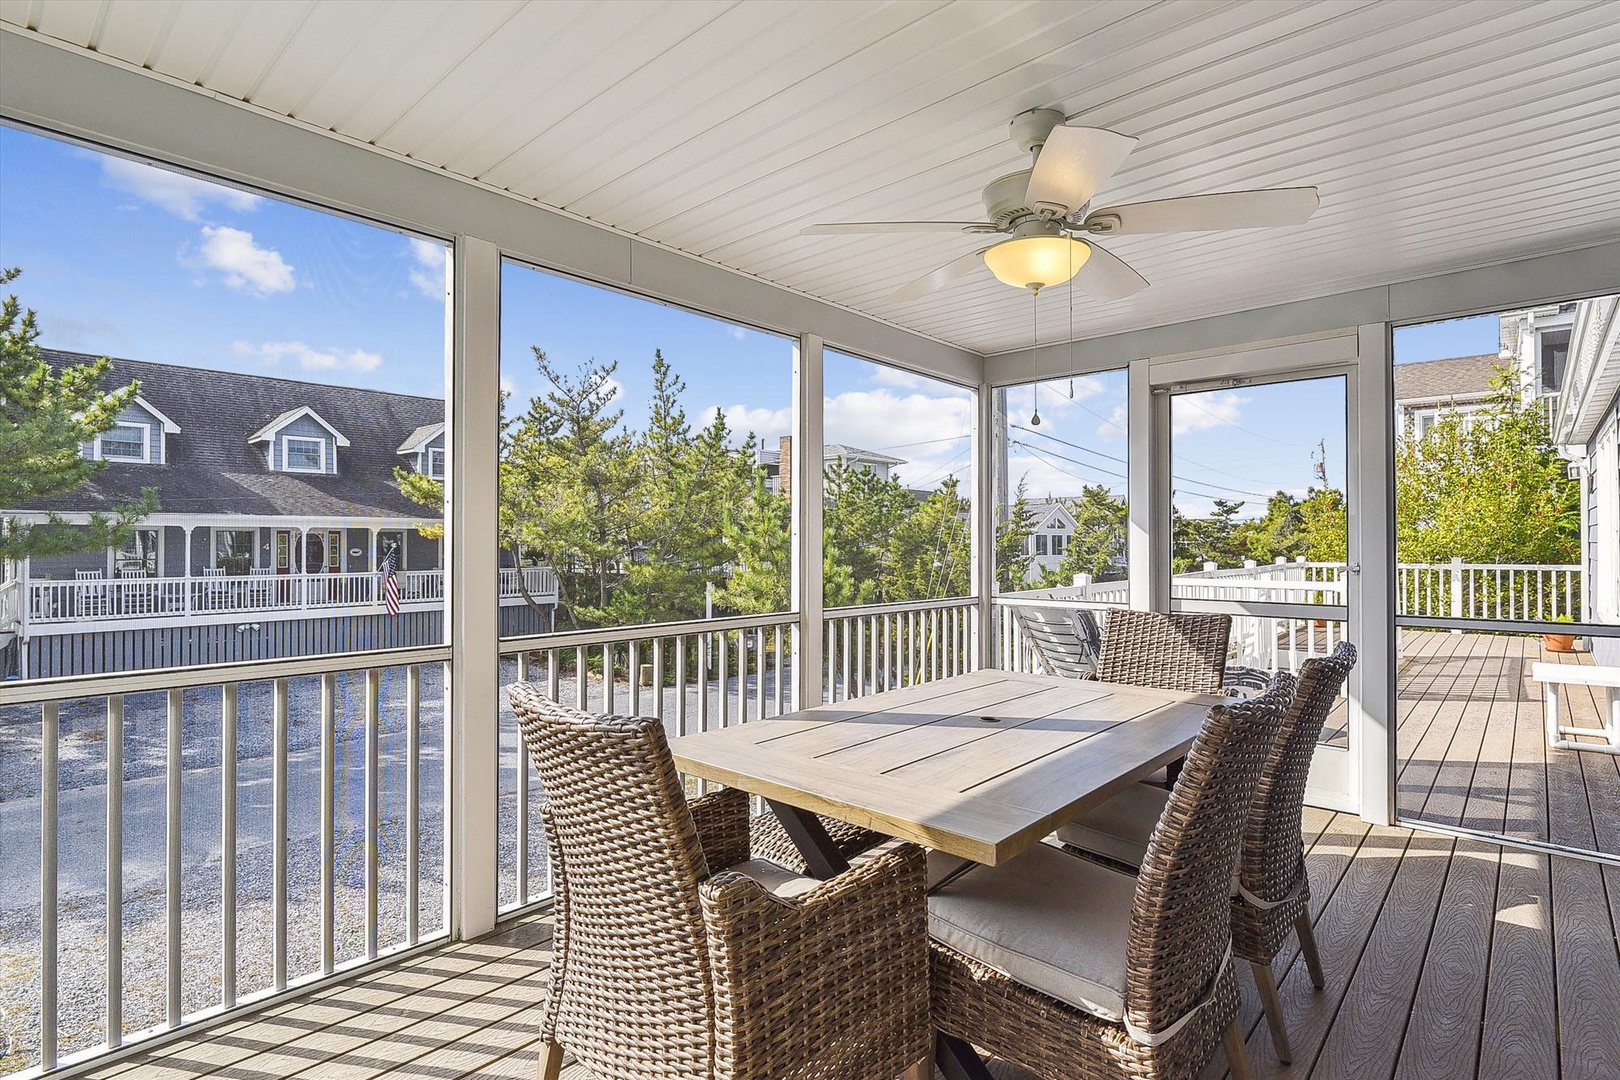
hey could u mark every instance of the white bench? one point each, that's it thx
(1556, 676)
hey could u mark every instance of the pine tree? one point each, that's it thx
(573, 479)
(760, 532)
(46, 417)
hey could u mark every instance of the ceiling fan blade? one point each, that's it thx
(1107, 277)
(830, 228)
(938, 279)
(1200, 213)
(1073, 164)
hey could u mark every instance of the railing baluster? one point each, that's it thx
(844, 642)
(227, 844)
(777, 643)
(680, 685)
(278, 815)
(373, 824)
(633, 672)
(759, 673)
(703, 652)
(50, 822)
(580, 667)
(522, 766)
(328, 822)
(115, 870)
(413, 824)
(658, 677)
(725, 682)
(173, 823)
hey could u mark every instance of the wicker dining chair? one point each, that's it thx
(1168, 650)
(1075, 971)
(1271, 892)
(676, 955)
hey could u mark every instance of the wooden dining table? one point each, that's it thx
(980, 766)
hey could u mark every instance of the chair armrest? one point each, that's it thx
(836, 976)
(721, 820)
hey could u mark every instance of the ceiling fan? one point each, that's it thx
(1042, 211)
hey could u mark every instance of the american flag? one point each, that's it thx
(390, 576)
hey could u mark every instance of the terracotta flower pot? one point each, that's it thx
(1558, 642)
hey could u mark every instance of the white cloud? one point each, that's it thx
(277, 353)
(1204, 412)
(739, 333)
(428, 274)
(244, 265)
(884, 375)
(769, 424)
(1117, 426)
(184, 196)
(508, 386)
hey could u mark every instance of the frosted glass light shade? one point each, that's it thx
(1037, 261)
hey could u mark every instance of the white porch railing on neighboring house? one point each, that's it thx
(59, 603)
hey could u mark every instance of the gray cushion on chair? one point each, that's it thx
(775, 880)
(1118, 829)
(1054, 922)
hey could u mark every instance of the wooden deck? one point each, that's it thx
(1445, 958)
(1473, 749)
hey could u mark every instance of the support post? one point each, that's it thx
(806, 488)
(1370, 582)
(1148, 543)
(986, 512)
(473, 585)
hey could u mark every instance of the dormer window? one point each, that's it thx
(435, 463)
(303, 454)
(125, 442)
(300, 441)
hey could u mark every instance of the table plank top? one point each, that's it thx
(981, 766)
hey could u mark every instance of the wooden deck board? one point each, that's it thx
(1445, 959)
(1472, 748)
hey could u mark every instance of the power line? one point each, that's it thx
(1122, 461)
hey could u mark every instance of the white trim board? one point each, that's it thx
(1508, 286)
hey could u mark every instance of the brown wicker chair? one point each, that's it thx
(1171, 651)
(1072, 970)
(1272, 892)
(668, 966)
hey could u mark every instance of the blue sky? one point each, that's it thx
(126, 259)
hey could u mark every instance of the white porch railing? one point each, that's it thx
(887, 646)
(321, 780)
(62, 602)
(1454, 589)
(704, 674)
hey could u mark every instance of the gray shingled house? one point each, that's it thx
(278, 505)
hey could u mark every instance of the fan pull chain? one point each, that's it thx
(1035, 307)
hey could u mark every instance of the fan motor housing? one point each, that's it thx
(1004, 198)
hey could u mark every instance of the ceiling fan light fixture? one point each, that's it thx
(1037, 262)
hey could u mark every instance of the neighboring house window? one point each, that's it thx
(1057, 545)
(1040, 543)
(300, 454)
(334, 552)
(387, 538)
(233, 549)
(436, 463)
(125, 442)
(137, 554)
(1553, 346)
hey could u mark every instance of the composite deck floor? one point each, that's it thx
(1445, 959)
(1473, 747)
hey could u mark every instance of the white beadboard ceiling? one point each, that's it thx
(1441, 135)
